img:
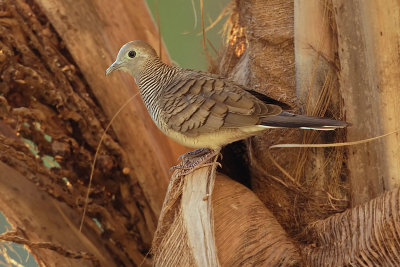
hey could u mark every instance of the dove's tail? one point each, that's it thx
(290, 120)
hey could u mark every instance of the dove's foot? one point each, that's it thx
(194, 154)
(197, 159)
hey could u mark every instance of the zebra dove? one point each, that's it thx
(203, 110)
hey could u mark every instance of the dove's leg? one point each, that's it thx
(196, 159)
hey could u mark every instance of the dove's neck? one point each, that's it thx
(154, 74)
(152, 80)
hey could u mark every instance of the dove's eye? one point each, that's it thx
(131, 54)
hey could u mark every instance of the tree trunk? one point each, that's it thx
(54, 95)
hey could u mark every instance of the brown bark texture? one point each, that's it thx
(366, 235)
(55, 104)
(260, 53)
(37, 215)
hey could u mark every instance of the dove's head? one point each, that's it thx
(133, 57)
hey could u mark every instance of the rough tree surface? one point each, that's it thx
(51, 123)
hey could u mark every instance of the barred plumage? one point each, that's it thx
(200, 109)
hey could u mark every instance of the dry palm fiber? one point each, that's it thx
(259, 53)
(185, 235)
(367, 235)
(245, 232)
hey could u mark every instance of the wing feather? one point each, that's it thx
(199, 105)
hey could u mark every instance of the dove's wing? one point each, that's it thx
(200, 105)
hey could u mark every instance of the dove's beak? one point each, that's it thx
(116, 65)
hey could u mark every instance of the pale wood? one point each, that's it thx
(93, 32)
(198, 217)
(313, 47)
(369, 77)
(185, 232)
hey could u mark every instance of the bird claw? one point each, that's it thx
(179, 166)
(196, 159)
(185, 170)
(194, 154)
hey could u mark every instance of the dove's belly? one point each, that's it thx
(216, 139)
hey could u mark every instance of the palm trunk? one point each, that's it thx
(369, 60)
